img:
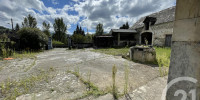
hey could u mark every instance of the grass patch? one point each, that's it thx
(113, 51)
(163, 59)
(91, 88)
(10, 89)
(25, 54)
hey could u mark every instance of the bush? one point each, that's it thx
(57, 43)
(32, 38)
(78, 38)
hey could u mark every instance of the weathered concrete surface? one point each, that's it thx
(185, 55)
(65, 85)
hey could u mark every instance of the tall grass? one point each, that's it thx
(114, 88)
(126, 74)
(163, 59)
(113, 51)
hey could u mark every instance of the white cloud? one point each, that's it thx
(112, 13)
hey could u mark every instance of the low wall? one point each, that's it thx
(143, 54)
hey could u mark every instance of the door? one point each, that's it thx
(168, 40)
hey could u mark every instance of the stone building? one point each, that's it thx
(124, 37)
(156, 28)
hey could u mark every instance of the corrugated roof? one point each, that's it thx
(163, 16)
(123, 30)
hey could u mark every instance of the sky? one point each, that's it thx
(85, 13)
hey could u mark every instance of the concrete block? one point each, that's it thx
(187, 9)
(187, 30)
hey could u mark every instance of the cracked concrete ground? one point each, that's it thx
(144, 80)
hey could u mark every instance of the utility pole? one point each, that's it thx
(12, 24)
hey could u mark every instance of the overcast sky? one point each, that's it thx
(87, 13)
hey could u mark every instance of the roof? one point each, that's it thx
(167, 15)
(103, 36)
(123, 31)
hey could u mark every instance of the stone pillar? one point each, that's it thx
(185, 55)
(118, 39)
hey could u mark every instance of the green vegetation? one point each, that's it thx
(6, 52)
(11, 89)
(113, 51)
(162, 56)
(125, 26)
(54, 42)
(163, 59)
(126, 77)
(114, 88)
(29, 22)
(99, 29)
(46, 27)
(60, 30)
(32, 38)
(91, 88)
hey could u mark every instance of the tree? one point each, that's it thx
(60, 30)
(46, 27)
(32, 38)
(79, 30)
(29, 21)
(125, 26)
(17, 27)
(99, 29)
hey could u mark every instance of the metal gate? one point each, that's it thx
(168, 40)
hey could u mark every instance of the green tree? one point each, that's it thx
(78, 38)
(17, 27)
(32, 38)
(99, 29)
(46, 27)
(29, 21)
(79, 30)
(125, 26)
(60, 30)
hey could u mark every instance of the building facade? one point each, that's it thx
(156, 29)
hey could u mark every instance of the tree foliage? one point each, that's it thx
(99, 29)
(17, 27)
(125, 26)
(46, 27)
(79, 30)
(78, 38)
(29, 21)
(60, 30)
(32, 38)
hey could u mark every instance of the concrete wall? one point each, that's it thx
(185, 55)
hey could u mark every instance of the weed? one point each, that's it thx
(114, 88)
(92, 89)
(11, 89)
(126, 74)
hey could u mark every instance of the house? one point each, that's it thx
(124, 37)
(117, 38)
(156, 29)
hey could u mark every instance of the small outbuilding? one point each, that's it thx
(124, 37)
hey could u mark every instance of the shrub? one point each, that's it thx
(78, 38)
(32, 38)
(57, 42)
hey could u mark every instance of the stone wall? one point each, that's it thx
(159, 32)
